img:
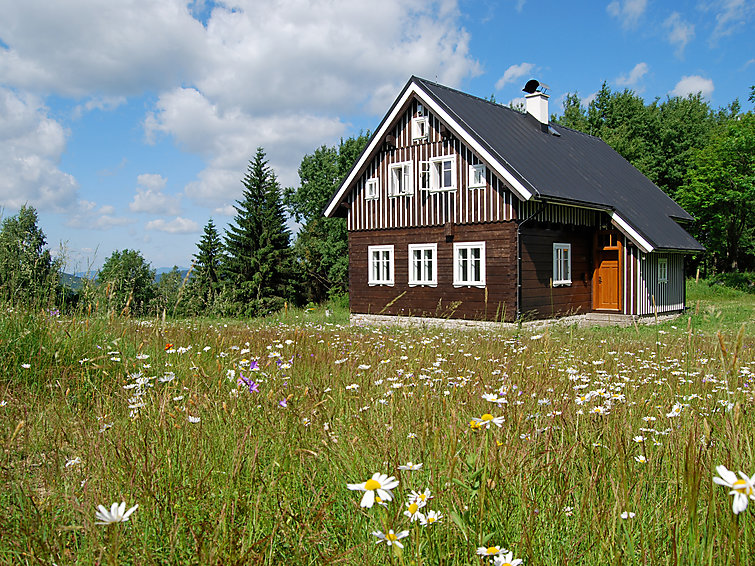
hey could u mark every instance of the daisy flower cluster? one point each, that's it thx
(379, 489)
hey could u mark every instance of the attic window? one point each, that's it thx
(476, 176)
(419, 128)
(371, 189)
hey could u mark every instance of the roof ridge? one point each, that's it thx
(478, 98)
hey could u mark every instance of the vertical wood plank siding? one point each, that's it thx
(559, 214)
(642, 277)
(492, 203)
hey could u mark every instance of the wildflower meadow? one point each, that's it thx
(301, 439)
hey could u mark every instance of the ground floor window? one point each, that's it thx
(423, 264)
(561, 264)
(662, 270)
(380, 265)
(469, 264)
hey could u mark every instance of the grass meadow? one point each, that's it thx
(238, 440)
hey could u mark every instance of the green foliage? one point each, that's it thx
(126, 283)
(257, 264)
(720, 193)
(204, 283)
(321, 248)
(168, 292)
(28, 274)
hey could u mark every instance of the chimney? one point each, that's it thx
(536, 101)
(537, 105)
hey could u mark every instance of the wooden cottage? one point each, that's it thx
(459, 207)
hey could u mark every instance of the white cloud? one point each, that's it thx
(634, 76)
(87, 215)
(731, 17)
(228, 139)
(31, 145)
(178, 225)
(680, 32)
(692, 85)
(253, 72)
(79, 47)
(150, 198)
(514, 73)
(628, 11)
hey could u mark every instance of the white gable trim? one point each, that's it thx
(633, 235)
(377, 140)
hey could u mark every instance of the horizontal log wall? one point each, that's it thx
(539, 298)
(495, 302)
(492, 203)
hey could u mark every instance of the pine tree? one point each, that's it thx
(205, 280)
(257, 263)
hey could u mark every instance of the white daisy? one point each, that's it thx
(741, 488)
(380, 483)
(116, 514)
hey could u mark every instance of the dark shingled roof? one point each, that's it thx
(572, 168)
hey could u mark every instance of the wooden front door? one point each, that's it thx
(607, 277)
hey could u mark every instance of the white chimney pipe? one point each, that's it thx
(537, 105)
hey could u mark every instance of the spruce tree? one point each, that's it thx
(257, 263)
(205, 280)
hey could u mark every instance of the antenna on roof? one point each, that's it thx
(533, 86)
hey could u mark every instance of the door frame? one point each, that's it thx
(600, 245)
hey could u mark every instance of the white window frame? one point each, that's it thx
(559, 277)
(437, 170)
(384, 275)
(431, 281)
(662, 270)
(424, 176)
(420, 129)
(479, 171)
(401, 172)
(458, 270)
(372, 189)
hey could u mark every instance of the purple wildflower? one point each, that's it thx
(248, 382)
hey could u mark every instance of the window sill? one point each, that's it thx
(562, 284)
(477, 285)
(423, 284)
(380, 284)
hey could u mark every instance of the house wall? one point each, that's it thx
(647, 295)
(539, 299)
(497, 301)
(492, 203)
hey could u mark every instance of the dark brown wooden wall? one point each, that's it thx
(444, 300)
(539, 299)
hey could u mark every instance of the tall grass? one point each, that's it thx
(223, 475)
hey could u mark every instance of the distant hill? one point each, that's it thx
(76, 280)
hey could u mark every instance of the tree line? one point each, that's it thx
(703, 158)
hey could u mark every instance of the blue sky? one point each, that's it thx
(129, 123)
